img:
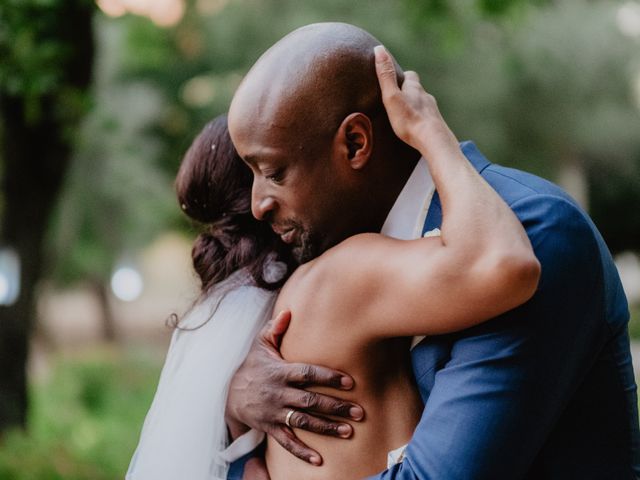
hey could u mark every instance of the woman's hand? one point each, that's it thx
(413, 113)
(266, 388)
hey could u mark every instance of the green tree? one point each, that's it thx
(571, 105)
(540, 85)
(46, 48)
(547, 87)
(115, 198)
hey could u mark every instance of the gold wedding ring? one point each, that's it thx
(287, 421)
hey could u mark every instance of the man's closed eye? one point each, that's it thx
(276, 176)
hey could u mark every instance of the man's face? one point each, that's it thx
(296, 188)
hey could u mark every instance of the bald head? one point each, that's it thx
(304, 119)
(309, 81)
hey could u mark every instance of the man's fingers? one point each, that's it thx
(323, 426)
(386, 71)
(323, 404)
(305, 375)
(285, 437)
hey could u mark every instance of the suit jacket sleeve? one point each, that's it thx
(502, 386)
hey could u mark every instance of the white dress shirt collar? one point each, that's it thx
(407, 216)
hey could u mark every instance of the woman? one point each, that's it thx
(357, 315)
(240, 264)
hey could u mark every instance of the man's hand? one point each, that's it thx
(413, 113)
(266, 388)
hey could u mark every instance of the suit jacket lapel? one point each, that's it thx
(434, 215)
(479, 162)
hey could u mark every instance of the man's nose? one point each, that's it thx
(261, 202)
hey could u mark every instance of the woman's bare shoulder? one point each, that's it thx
(353, 248)
(333, 273)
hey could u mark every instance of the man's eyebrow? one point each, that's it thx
(253, 158)
(250, 159)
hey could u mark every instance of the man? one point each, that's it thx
(544, 391)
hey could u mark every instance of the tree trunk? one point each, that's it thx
(108, 321)
(35, 154)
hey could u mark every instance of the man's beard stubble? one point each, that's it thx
(307, 247)
(312, 243)
(309, 243)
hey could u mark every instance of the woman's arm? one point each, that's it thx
(482, 264)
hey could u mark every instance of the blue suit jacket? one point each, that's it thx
(545, 391)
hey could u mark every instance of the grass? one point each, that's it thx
(634, 323)
(84, 421)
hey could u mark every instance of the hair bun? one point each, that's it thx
(206, 252)
(212, 181)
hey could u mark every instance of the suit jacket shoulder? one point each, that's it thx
(554, 220)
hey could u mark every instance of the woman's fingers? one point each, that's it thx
(413, 113)
(275, 329)
(397, 101)
(412, 76)
(386, 71)
(285, 437)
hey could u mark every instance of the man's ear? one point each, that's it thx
(355, 139)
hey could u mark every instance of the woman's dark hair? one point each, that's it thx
(213, 187)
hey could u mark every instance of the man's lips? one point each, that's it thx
(286, 235)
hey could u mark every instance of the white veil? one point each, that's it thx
(185, 429)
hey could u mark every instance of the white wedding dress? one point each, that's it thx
(184, 432)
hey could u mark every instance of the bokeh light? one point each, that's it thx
(9, 276)
(4, 288)
(164, 13)
(127, 284)
(628, 19)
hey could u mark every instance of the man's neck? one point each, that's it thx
(388, 187)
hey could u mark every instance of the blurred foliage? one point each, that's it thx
(530, 58)
(46, 59)
(537, 84)
(615, 203)
(534, 86)
(116, 198)
(85, 419)
(571, 92)
(528, 85)
(32, 68)
(634, 324)
(426, 9)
